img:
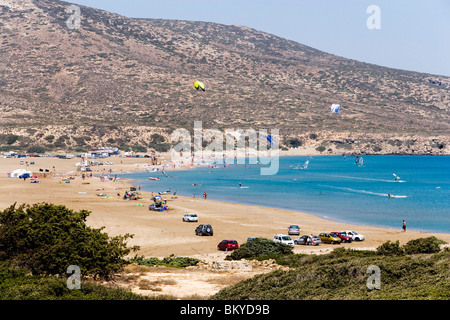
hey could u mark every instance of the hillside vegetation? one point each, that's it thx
(118, 81)
(418, 270)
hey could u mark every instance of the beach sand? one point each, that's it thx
(160, 234)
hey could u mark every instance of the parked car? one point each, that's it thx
(204, 229)
(294, 229)
(355, 236)
(154, 207)
(227, 245)
(250, 239)
(190, 217)
(342, 236)
(328, 238)
(304, 240)
(282, 238)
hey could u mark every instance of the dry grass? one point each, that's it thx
(227, 280)
(145, 284)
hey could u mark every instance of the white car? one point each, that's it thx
(355, 235)
(282, 238)
(190, 217)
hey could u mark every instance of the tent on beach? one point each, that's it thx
(19, 172)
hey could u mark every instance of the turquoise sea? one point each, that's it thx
(332, 187)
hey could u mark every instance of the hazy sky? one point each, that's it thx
(413, 35)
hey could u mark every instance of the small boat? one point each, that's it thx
(152, 178)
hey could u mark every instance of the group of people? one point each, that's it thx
(309, 240)
(204, 195)
(129, 195)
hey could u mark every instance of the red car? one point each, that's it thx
(228, 245)
(341, 236)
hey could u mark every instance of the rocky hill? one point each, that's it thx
(129, 83)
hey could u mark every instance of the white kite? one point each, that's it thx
(335, 108)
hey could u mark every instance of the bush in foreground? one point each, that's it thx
(171, 261)
(343, 275)
(18, 284)
(47, 239)
(259, 247)
(421, 245)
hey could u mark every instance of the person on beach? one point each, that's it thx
(404, 226)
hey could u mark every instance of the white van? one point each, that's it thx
(283, 239)
(190, 217)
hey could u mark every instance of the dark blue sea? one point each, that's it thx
(331, 187)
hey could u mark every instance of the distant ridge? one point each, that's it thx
(119, 81)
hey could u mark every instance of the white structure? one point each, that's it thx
(18, 172)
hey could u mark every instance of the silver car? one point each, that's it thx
(294, 230)
(306, 240)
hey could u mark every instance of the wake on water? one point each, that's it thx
(366, 179)
(365, 192)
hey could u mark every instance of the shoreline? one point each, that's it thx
(133, 183)
(320, 214)
(160, 234)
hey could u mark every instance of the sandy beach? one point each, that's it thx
(160, 234)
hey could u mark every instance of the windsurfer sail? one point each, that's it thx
(302, 166)
(305, 165)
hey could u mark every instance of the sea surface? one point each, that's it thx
(331, 187)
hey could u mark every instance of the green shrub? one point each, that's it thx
(320, 149)
(36, 149)
(390, 248)
(18, 284)
(423, 245)
(8, 139)
(343, 275)
(295, 142)
(47, 239)
(259, 247)
(50, 138)
(139, 149)
(171, 261)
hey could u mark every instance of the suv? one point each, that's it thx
(228, 245)
(294, 229)
(342, 236)
(355, 236)
(282, 238)
(204, 229)
(190, 217)
(328, 238)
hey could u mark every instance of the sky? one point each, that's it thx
(403, 34)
